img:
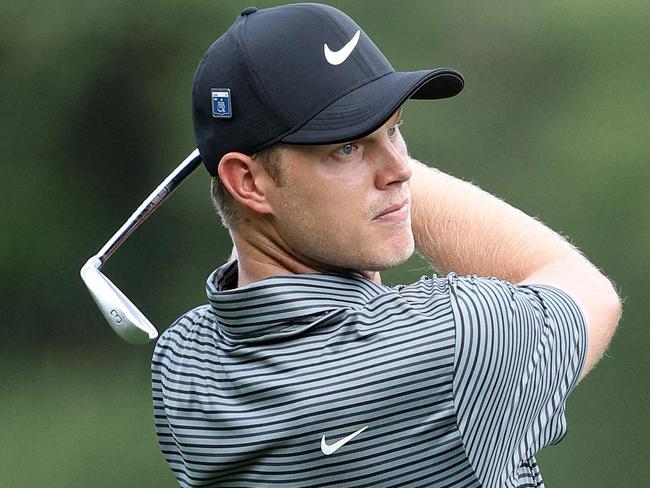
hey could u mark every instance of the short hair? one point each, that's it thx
(223, 201)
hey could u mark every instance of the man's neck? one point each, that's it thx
(258, 260)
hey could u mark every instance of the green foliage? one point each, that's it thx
(96, 111)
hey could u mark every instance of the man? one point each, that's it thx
(304, 370)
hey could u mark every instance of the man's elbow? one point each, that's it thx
(612, 306)
(601, 327)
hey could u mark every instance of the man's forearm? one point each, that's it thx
(459, 227)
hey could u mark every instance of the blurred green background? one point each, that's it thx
(95, 111)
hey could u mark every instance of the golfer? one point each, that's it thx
(304, 369)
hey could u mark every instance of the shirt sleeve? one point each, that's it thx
(519, 353)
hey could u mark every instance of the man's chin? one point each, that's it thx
(390, 260)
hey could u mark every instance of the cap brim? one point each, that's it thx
(366, 108)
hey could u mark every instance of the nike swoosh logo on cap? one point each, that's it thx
(337, 57)
(332, 448)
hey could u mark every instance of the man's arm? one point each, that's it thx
(459, 227)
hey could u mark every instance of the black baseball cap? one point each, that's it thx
(302, 73)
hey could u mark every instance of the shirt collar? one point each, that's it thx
(283, 304)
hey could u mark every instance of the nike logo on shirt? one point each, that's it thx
(337, 57)
(332, 448)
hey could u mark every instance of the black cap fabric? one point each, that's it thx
(299, 74)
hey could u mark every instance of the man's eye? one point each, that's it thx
(393, 130)
(346, 150)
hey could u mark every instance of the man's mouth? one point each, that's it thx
(394, 213)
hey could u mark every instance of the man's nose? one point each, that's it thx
(395, 167)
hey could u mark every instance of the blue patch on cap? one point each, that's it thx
(221, 106)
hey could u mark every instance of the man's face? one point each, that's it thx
(346, 206)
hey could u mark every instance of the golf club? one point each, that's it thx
(122, 315)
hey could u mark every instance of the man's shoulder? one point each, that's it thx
(448, 283)
(487, 294)
(429, 290)
(191, 326)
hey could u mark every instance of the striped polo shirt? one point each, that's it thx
(317, 380)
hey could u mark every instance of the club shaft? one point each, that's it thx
(151, 203)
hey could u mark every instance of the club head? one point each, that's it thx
(122, 315)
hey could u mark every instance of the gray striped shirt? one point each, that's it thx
(334, 380)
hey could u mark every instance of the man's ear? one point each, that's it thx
(246, 181)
